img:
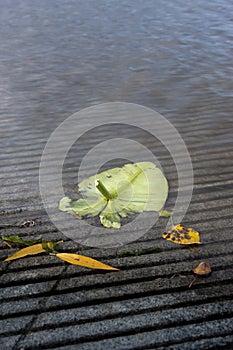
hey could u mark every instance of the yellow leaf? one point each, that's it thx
(182, 235)
(32, 250)
(84, 261)
(165, 213)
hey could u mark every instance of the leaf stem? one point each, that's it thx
(103, 190)
(194, 279)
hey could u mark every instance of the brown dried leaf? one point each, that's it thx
(203, 268)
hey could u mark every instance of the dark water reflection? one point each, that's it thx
(59, 56)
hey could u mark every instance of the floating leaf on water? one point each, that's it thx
(182, 235)
(119, 192)
(85, 261)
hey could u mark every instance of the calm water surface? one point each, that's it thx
(60, 56)
(57, 57)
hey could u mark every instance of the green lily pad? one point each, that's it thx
(119, 192)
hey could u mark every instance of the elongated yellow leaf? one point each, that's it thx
(81, 260)
(32, 250)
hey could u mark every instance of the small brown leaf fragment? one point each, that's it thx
(202, 269)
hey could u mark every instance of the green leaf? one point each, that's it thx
(82, 207)
(17, 240)
(120, 192)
